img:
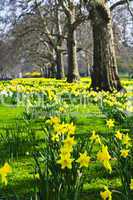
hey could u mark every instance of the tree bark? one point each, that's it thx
(59, 54)
(104, 72)
(73, 72)
(53, 72)
(60, 65)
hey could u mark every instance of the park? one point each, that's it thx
(66, 100)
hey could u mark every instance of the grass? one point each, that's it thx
(17, 142)
(23, 165)
(21, 180)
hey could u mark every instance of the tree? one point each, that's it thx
(104, 73)
(55, 37)
(59, 47)
(42, 20)
(74, 17)
(45, 31)
(70, 12)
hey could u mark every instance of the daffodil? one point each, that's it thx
(107, 194)
(83, 159)
(124, 153)
(131, 184)
(54, 120)
(60, 129)
(55, 138)
(118, 135)
(105, 157)
(95, 138)
(4, 171)
(70, 128)
(104, 154)
(69, 141)
(65, 161)
(51, 94)
(126, 140)
(110, 123)
(66, 149)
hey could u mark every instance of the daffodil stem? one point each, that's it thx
(123, 182)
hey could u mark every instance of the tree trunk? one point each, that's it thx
(46, 72)
(88, 70)
(42, 70)
(60, 65)
(104, 72)
(52, 69)
(59, 54)
(49, 72)
(73, 72)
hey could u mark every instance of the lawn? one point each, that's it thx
(20, 132)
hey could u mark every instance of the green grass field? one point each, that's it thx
(21, 181)
(17, 144)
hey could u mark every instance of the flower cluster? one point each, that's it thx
(65, 153)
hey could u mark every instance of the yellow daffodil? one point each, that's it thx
(95, 138)
(98, 140)
(104, 154)
(4, 171)
(126, 140)
(54, 120)
(131, 184)
(118, 135)
(107, 194)
(61, 129)
(104, 157)
(65, 161)
(66, 149)
(55, 138)
(110, 123)
(69, 141)
(107, 165)
(84, 159)
(70, 128)
(124, 153)
(51, 94)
